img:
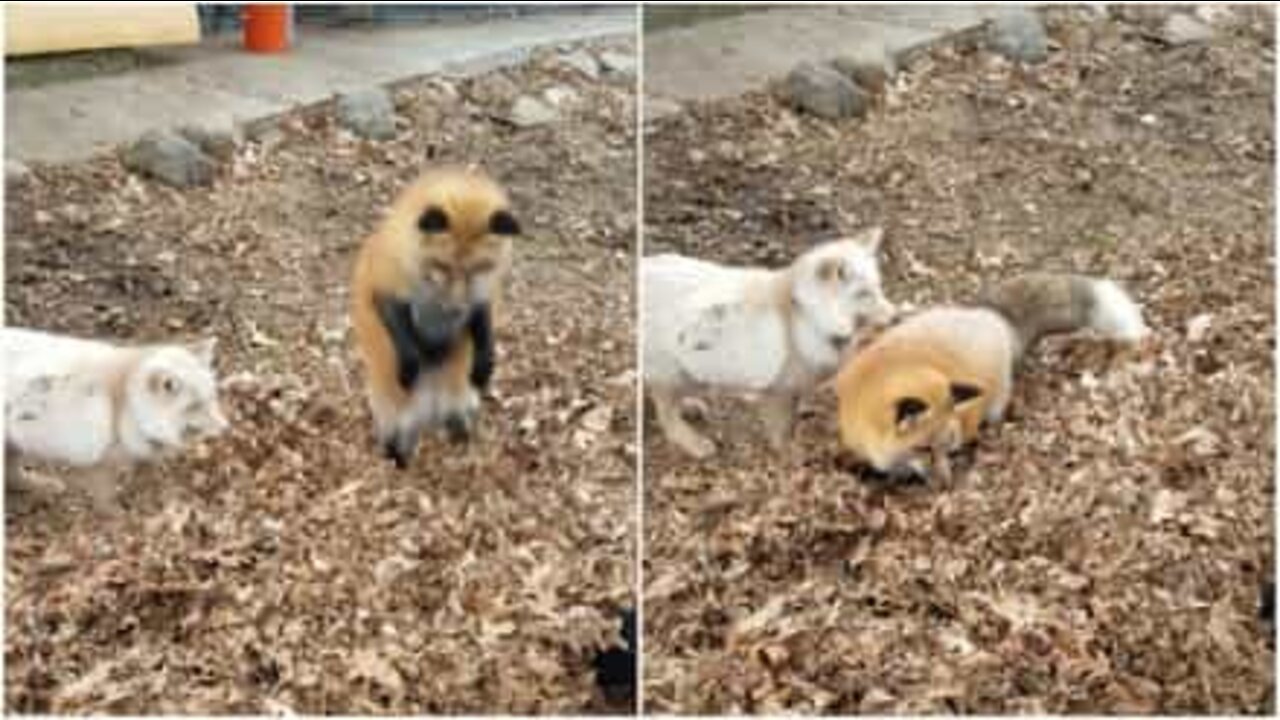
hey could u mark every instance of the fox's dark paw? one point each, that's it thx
(482, 372)
(408, 373)
(399, 449)
(458, 428)
(393, 453)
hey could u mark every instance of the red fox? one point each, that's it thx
(922, 388)
(423, 299)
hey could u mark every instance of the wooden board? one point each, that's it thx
(31, 29)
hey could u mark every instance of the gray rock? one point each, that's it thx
(170, 158)
(15, 171)
(560, 95)
(823, 91)
(656, 108)
(583, 62)
(616, 63)
(1181, 29)
(369, 113)
(493, 88)
(530, 112)
(218, 143)
(1019, 37)
(869, 73)
(1151, 17)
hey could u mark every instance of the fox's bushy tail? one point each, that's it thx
(1040, 304)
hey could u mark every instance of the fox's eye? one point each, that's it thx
(164, 384)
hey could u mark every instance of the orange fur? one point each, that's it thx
(399, 255)
(922, 359)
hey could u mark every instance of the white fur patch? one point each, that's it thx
(86, 402)
(727, 344)
(709, 324)
(741, 328)
(1115, 314)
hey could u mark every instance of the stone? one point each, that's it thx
(1182, 29)
(493, 88)
(531, 112)
(369, 113)
(822, 91)
(218, 143)
(1144, 15)
(560, 95)
(170, 158)
(1214, 14)
(583, 62)
(15, 171)
(1019, 36)
(869, 73)
(616, 63)
(656, 108)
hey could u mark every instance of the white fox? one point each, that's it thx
(91, 404)
(776, 333)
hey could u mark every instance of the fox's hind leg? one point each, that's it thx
(666, 403)
(395, 431)
(28, 481)
(999, 403)
(778, 411)
(460, 394)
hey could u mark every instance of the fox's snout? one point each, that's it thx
(879, 314)
(218, 422)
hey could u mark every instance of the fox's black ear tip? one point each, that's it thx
(963, 392)
(909, 407)
(433, 220)
(502, 222)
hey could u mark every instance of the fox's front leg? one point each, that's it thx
(397, 317)
(102, 486)
(459, 399)
(778, 411)
(484, 357)
(666, 403)
(35, 483)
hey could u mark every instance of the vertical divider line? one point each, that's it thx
(638, 318)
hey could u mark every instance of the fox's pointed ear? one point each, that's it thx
(203, 350)
(908, 409)
(502, 222)
(870, 238)
(964, 392)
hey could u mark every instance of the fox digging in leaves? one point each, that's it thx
(424, 297)
(922, 389)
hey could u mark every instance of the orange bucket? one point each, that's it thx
(267, 27)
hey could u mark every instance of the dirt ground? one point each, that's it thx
(1103, 550)
(285, 566)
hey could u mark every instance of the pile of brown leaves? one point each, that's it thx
(286, 567)
(1103, 550)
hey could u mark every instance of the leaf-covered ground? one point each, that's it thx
(285, 567)
(1103, 550)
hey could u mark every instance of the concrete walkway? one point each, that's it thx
(724, 57)
(216, 83)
